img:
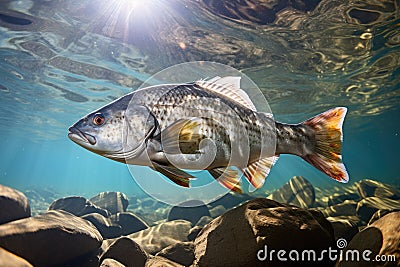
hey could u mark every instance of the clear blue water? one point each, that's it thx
(60, 60)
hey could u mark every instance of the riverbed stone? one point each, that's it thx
(13, 205)
(129, 222)
(78, 206)
(347, 208)
(191, 210)
(161, 262)
(297, 191)
(236, 237)
(114, 202)
(50, 239)
(158, 237)
(127, 252)
(106, 228)
(370, 188)
(182, 253)
(7, 259)
(380, 238)
(368, 206)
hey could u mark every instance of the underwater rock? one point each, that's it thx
(78, 206)
(191, 210)
(13, 205)
(111, 263)
(235, 238)
(297, 191)
(340, 198)
(347, 208)
(230, 200)
(114, 202)
(161, 262)
(368, 206)
(217, 211)
(106, 228)
(182, 253)
(53, 238)
(379, 214)
(370, 188)
(203, 221)
(194, 232)
(129, 222)
(381, 237)
(343, 228)
(9, 259)
(158, 237)
(125, 251)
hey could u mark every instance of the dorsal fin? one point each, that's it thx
(228, 88)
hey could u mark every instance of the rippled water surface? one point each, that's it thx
(62, 59)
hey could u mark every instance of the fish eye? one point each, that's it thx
(98, 119)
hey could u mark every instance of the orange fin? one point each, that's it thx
(227, 177)
(327, 154)
(257, 172)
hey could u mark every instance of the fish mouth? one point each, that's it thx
(78, 136)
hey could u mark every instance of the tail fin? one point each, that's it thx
(326, 156)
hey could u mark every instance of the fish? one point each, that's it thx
(208, 125)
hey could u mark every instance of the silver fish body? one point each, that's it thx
(207, 125)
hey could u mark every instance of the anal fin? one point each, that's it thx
(257, 172)
(177, 176)
(227, 177)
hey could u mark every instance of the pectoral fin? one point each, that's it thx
(257, 172)
(227, 177)
(183, 136)
(177, 176)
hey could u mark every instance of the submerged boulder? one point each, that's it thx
(370, 188)
(50, 239)
(125, 251)
(104, 225)
(13, 205)
(9, 259)
(297, 191)
(237, 237)
(78, 206)
(368, 206)
(158, 237)
(380, 238)
(182, 253)
(129, 222)
(114, 202)
(191, 210)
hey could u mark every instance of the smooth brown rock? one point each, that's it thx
(161, 262)
(368, 206)
(379, 214)
(7, 259)
(106, 228)
(53, 238)
(13, 205)
(347, 208)
(127, 252)
(235, 238)
(114, 202)
(191, 210)
(297, 191)
(129, 222)
(111, 263)
(370, 188)
(381, 238)
(340, 198)
(78, 206)
(182, 253)
(343, 228)
(194, 232)
(155, 238)
(217, 211)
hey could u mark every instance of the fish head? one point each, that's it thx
(117, 131)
